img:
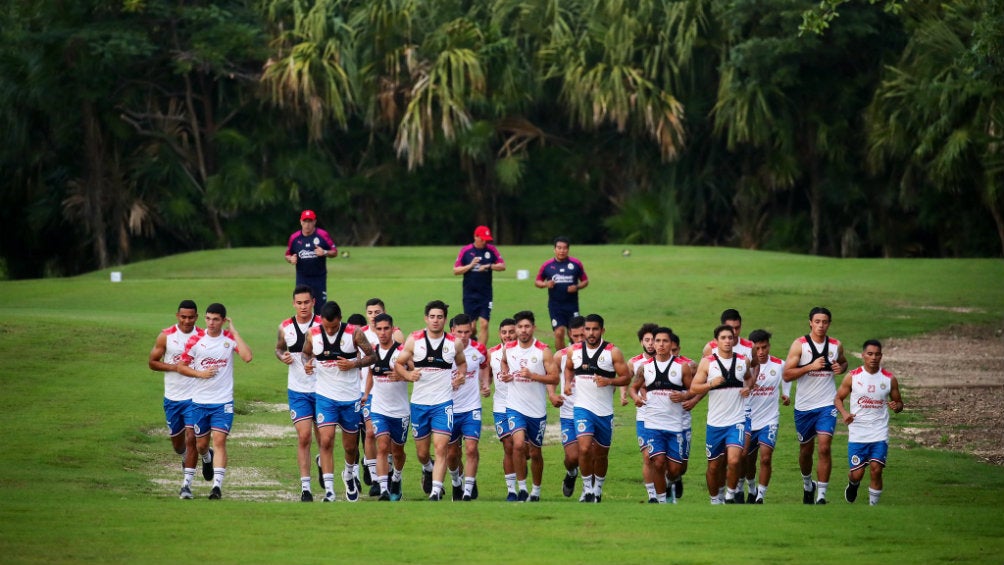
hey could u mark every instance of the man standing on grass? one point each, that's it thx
(873, 391)
(594, 368)
(687, 406)
(507, 333)
(563, 277)
(390, 410)
(646, 338)
(308, 250)
(178, 409)
(213, 353)
(468, 389)
(531, 365)
(566, 407)
(724, 377)
(428, 359)
(813, 360)
(333, 352)
(476, 261)
(374, 307)
(764, 414)
(662, 384)
(300, 386)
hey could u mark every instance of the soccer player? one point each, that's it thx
(165, 356)
(873, 391)
(646, 338)
(389, 408)
(507, 333)
(427, 359)
(475, 262)
(594, 368)
(813, 360)
(531, 365)
(300, 386)
(468, 389)
(563, 277)
(725, 378)
(332, 350)
(566, 408)
(687, 405)
(213, 397)
(662, 384)
(308, 249)
(763, 416)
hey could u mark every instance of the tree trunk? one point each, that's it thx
(93, 189)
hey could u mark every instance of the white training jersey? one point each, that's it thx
(177, 386)
(764, 396)
(567, 410)
(633, 364)
(435, 357)
(467, 397)
(526, 396)
(599, 361)
(662, 378)
(295, 334)
(743, 347)
(501, 388)
(816, 389)
(364, 372)
(203, 352)
(870, 406)
(389, 398)
(332, 382)
(726, 405)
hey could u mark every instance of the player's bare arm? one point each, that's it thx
(156, 362)
(403, 366)
(620, 369)
(701, 385)
(637, 393)
(242, 348)
(684, 396)
(791, 369)
(363, 345)
(282, 351)
(307, 355)
(842, 393)
(569, 372)
(895, 400)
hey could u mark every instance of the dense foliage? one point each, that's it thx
(135, 128)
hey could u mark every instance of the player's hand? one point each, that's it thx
(416, 375)
(896, 405)
(744, 392)
(208, 373)
(458, 381)
(291, 259)
(786, 400)
(486, 391)
(320, 251)
(346, 364)
(550, 283)
(568, 389)
(308, 367)
(676, 396)
(286, 358)
(713, 382)
(556, 400)
(506, 377)
(572, 289)
(601, 382)
(818, 365)
(848, 418)
(688, 405)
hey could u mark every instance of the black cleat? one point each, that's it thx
(533, 498)
(751, 498)
(458, 492)
(522, 496)
(678, 488)
(467, 498)
(740, 499)
(851, 492)
(185, 493)
(474, 491)
(759, 500)
(207, 467)
(435, 497)
(369, 479)
(599, 498)
(730, 501)
(306, 496)
(384, 496)
(588, 497)
(395, 490)
(568, 485)
(375, 489)
(320, 473)
(821, 501)
(808, 496)
(427, 481)
(215, 494)
(653, 501)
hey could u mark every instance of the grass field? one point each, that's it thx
(87, 473)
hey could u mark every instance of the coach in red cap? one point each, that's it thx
(476, 262)
(308, 249)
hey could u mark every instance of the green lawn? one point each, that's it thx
(88, 474)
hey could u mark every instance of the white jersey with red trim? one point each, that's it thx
(203, 352)
(662, 412)
(598, 400)
(567, 409)
(633, 364)
(364, 372)
(501, 388)
(177, 386)
(816, 388)
(332, 382)
(743, 347)
(726, 405)
(467, 397)
(870, 406)
(764, 396)
(297, 378)
(526, 396)
(390, 397)
(435, 386)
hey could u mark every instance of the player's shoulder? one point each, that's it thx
(417, 334)
(711, 344)
(480, 347)
(745, 342)
(449, 337)
(857, 371)
(740, 357)
(285, 323)
(576, 346)
(540, 344)
(776, 360)
(609, 347)
(640, 358)
(709, 358)
(351, 328)
(495, 348)
(173, 329)
(885, 372)
(833, 340)
(683, 360)
(511, 344)
(314, 330)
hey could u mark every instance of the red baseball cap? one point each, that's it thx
(483, 232)
(308, 215)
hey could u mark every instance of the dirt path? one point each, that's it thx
(955, 378)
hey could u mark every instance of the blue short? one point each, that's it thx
(568, 434)
(861, 454)
(302, 405)
(643, 435)
(532, 427)
(664, 442)
(589, 424)
(766, 435)
(561, 314)
(396, 428)
(718, 439)
(346, 414)
(179, 414)
(466, 425)
(808, 423)
(213, 417)
(437, 418)
(478, 307)
(367, 407)
(502, 429)
(685, 451)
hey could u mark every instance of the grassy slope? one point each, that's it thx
(88, 474)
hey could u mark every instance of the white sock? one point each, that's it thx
(741, 487)
(521, 485)
(807, 483)
(455, 477)
(305, 483)
(469, 486)
(730, 494)
(382, 481)
(821, 492)
(437, 487)
(396, 477)
(535, 491)
(761, 491)
(587, 484)
(329, 483)
(650, 489)
(661, 498)
(189, 474)
(598, 484)
(510, 482)
(873, 496)
(371, 465)
(573, 472)
(427, 466)
(218, 474)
